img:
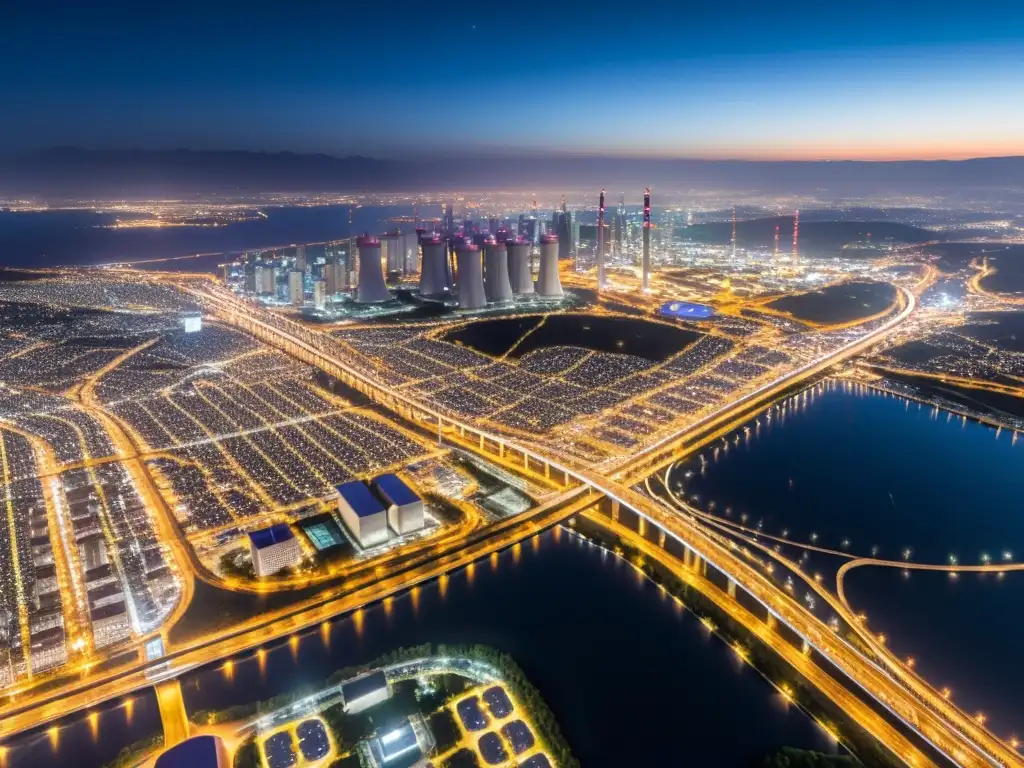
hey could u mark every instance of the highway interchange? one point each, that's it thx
(885, 680)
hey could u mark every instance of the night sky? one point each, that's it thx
(870, 79)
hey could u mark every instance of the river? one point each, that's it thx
(632, 678)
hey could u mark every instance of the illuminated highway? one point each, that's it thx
(916, 704)
(922, 708)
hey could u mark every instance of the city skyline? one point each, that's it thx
(800, 83)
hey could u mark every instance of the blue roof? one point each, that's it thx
(272, 535)
(397, 741)
(358, 496)
(394, 490)
(685, 309)
(197, 752)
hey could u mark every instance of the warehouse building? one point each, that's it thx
(273, 549)
(364, 692)
(362, 513)
(404, 507)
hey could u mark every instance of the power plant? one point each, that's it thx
(496, 282)
(434, 268)
(647, 240)
(548, 283)
(520, 276)
(371, 288)
(470, 276)
(600, 244)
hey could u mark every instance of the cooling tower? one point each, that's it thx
(519, 266)
(434, 271)
(497, 283)
(548, 284)
(371, 288)
(470, 276)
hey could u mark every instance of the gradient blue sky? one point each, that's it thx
(870, 79)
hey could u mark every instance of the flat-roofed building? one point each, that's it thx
(273, 549)
(364, 692)
(404, 507)
(110, 624)
(48, 648)
(362, 513)
(394, 744)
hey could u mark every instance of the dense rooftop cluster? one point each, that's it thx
(33, 631)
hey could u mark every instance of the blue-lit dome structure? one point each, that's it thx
(684, 310)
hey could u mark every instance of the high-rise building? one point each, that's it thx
(300, 258)
(320, 293)
(296, 287)
(529, 228)
(562, 227)
(336, 278)
(449, 218)
(409, 246)
(266, 280)
(600, 243)
(390, 251)
(647, 241)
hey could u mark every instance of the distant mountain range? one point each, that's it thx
(71, 171)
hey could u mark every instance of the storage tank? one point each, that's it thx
(519, 266)
(496, 284)
(548, 284)
(434, 272)
(370, 288)
(470, 276)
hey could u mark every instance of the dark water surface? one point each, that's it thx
(864, 470)
(963, 633)
(617, 335)
(871, 470)
(631, 677)
(59, 238)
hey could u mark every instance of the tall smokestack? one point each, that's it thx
(647, 240)
(600, 244)
(796, 236)
(734, 231)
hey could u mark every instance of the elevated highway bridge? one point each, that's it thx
(880, 678)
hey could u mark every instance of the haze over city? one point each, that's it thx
(405, 385)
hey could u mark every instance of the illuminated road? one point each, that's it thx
(920, 707)
(871, 721)
(36, 708)
(915, 703)
(172, 713)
